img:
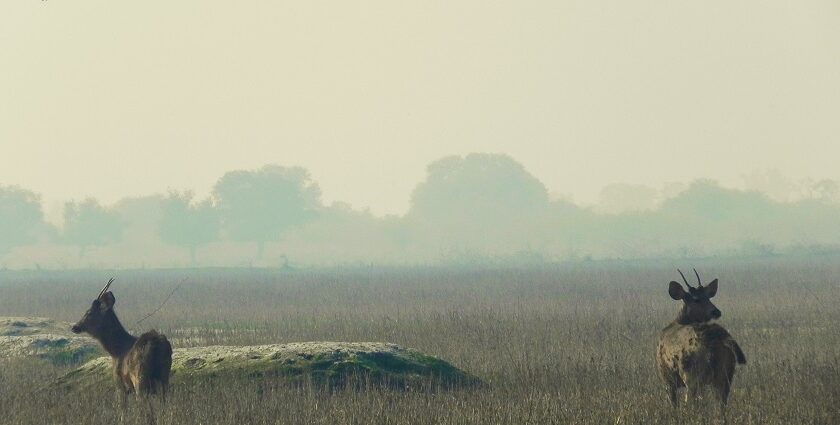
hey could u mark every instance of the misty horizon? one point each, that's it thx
(769, 182)
(583, 94)
(597, 130)
(475, 209)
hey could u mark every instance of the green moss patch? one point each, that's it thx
(327, 363)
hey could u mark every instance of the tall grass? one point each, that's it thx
(558, 344)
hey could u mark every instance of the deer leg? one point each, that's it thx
(723, 387)
(724, 384)
(145, 400)
(148, 400)
(723, 394)
(145, 389)
(122, 403)
(692, 389)
(672, 394)
(671, 385)
(122, 399)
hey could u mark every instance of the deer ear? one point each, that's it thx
(107, 301)
(676, 291)
(711, 289)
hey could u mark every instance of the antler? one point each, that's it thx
(699, 283)
(107, 285)
(684, 279)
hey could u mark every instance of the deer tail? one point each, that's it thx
(736, 349)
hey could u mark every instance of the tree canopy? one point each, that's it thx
(258, 206)
(20, 217)
(484, 187)
(188, 224)
(481, 202)
(88, 223)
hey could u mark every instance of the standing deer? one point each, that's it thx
(141, 365)
(694, 353)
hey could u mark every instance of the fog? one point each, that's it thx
(210, 133)
(364, 95)
(477, 209)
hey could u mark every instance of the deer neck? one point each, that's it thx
(113, 336)
(683, 318)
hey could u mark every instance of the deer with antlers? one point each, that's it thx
(694, 353)
(141, 364)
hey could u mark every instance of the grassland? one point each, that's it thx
(558, 344)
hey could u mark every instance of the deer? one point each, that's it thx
(694, 353)
(141, 364)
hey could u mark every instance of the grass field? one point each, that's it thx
(558, 344)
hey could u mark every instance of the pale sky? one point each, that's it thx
(114, 99)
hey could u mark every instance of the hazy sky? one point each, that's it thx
(112, 99)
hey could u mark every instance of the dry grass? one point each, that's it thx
(564, 344)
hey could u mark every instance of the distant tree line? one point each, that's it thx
(480, 207)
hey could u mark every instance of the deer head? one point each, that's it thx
(100, 315)
(697, 304)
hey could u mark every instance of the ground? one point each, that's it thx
(568, 343)
(44, 338)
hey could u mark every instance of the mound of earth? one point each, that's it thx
(330, 363)
(45, 339)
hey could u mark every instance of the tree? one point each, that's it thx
(258, 206)
(188, 224)
(478, 185)
(20, 217)
(478, 201)
(342, 234)
(708, 217)
(707, 201)
(89, 224)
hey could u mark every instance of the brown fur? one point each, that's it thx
(145, 368)
(697, 355)
(141, 365)
(693, 353)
